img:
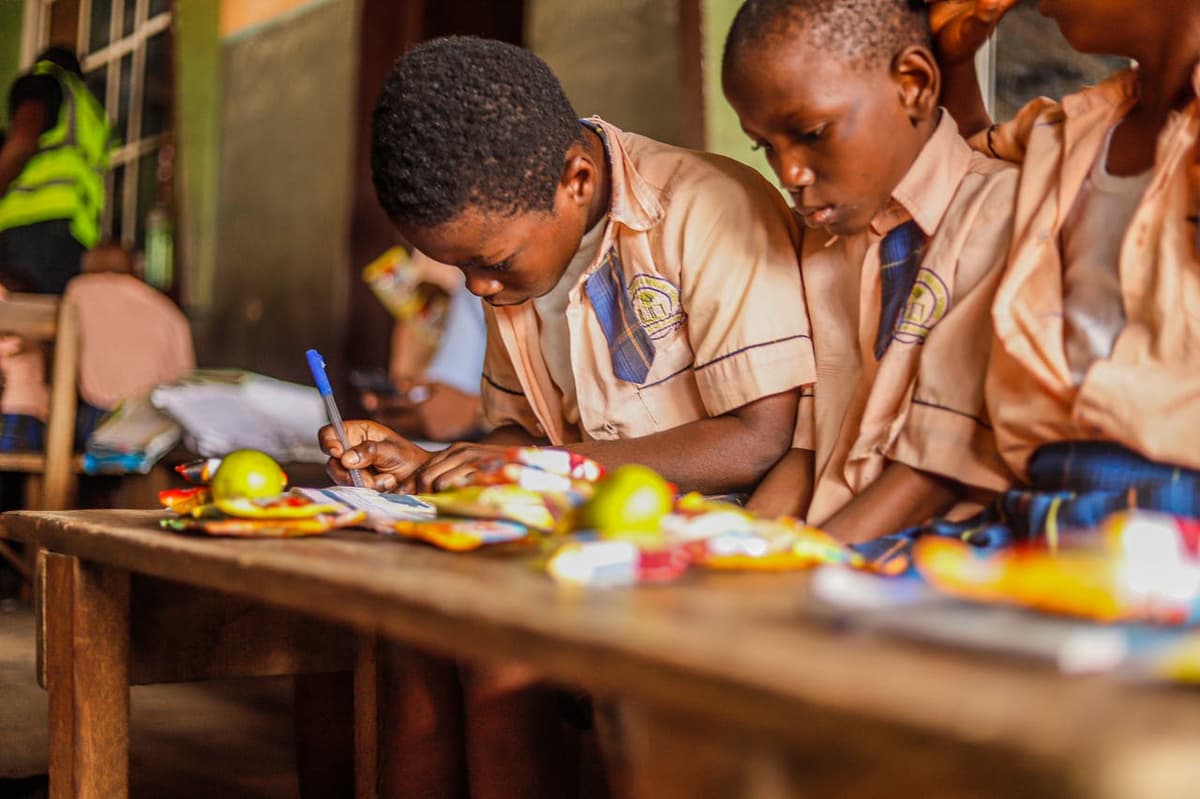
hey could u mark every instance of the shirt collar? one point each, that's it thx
(1115, 91)
(633, 201)
(925, 191)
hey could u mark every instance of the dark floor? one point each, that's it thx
(218, 739)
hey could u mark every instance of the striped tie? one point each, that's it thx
(900, 255)
(629, 346)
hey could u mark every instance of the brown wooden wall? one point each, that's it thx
(387, 29)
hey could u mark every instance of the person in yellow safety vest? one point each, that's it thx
(51, 175)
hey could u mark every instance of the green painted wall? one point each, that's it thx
(723, 134)
(198, 100)
(286, 114)
(615, 58)
(11, 13)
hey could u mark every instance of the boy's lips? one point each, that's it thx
(504, 302)
(818, 216)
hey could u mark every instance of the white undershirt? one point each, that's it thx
(1093, 309)
(554, 336)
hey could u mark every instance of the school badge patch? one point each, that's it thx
(656, 303)
(927, 304)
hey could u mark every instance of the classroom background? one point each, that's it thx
(243, 133)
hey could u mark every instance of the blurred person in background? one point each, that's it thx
(442, 404)
(52, 166)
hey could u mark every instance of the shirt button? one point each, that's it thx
(1043, 236)
(609, 429)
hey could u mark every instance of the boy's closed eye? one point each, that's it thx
(810, 135)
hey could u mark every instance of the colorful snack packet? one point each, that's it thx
(284, 506)
(542, 511)
(184, 500)
(461, 535)
(613, 564)
(558, 461)
(1141, 566)
(781, 545)
(529, 478)
(263, 528)
(726, 536)
(198, 472)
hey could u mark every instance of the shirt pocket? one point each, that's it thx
(670, 395)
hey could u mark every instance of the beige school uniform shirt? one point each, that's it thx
(1146, 393)
(922, 404)
(707, 249)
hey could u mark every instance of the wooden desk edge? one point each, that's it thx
(608, 668)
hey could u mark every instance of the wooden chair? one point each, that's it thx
(50, 485)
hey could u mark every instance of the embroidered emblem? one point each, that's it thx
(656, 303)
(927, 304)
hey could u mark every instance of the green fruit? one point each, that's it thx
(631, 502)
(249, 474)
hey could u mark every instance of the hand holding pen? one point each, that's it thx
(384, 459)
(362, 453)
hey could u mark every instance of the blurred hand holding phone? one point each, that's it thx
(431, 411)
(377, 384)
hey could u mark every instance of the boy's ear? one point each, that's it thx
(580, 175)
(916, 73)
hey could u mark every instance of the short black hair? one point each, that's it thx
(63, 57)
(466, 122)
(866, 33)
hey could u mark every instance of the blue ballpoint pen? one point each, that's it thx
(317, 365)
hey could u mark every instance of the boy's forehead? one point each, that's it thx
(474, 237)
(793, 75)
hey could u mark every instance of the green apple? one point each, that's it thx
(247, 474)
(629, 503)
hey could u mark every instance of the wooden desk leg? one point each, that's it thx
(671, 757)
(87, 676)
(366, 718)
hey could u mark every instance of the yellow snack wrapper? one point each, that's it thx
(542, 511)
(284, 506)
(264, 528)
(461, 535)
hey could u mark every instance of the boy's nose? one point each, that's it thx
(795, 174)
(484, 287)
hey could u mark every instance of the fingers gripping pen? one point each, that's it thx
(317, 365)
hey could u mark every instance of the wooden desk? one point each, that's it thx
(728, 690)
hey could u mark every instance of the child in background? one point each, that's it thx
(643, 305)
(1095, 375)
(441, 403)
(907, 234)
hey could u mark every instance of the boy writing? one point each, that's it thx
(1094, 382)
(907, 235)
(643, 304)
(643, 301)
